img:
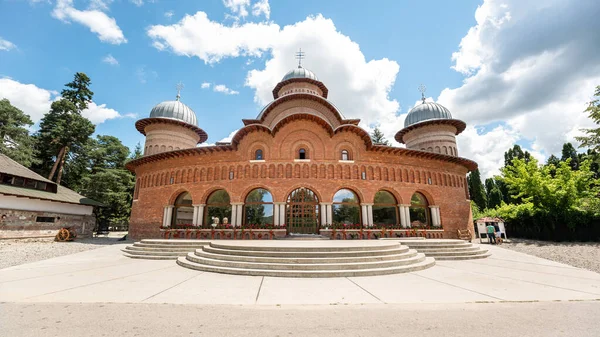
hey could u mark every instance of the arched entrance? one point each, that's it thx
(302, 211)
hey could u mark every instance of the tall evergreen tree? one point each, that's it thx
(493, 193)
(569, 152)
(15, 141)
(137, 151)
(592, 140)
(79, 92)
(476, 189)
(515, 152)
(378, 138)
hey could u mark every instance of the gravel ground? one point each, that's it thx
(578, 254)
(16, 252)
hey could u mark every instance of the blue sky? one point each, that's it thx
(372, 56)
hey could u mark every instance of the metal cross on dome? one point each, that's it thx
(300, 56)
(422, 89)
(179, 86)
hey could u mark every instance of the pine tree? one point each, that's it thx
(515, 152)
(493, 193)
(15, 141)
(592, 140)
(569, 152)
(378, 138)
(137, 152)
(476, 189)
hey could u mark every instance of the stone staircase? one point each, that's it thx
(304, 258)
(446, 249)
(152, 249)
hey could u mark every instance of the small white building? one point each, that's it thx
(33, 206)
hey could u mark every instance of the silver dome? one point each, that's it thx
(174, 110)
(426, 111)
(300, 73)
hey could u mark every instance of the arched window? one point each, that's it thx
(302, 154)
(345, 155)
(258, 155)
(258, 208)
(183, 210)
(385, 209)
(218, 206)
(346, 208)
(419, 211)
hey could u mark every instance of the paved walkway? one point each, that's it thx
(105, 275)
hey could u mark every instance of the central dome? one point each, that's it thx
(299, 73)
(426, 111)
(174, 110)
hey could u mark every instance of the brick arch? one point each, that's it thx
(258, 145)
(353, 153)
(428, 196)
(178, 192)
(395, 193)
(213, 188)
(250, 188)
(358, 192)
(295, 186)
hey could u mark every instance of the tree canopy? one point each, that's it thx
(15, 141)
(378, 138)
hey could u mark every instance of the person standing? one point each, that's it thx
(491, 233)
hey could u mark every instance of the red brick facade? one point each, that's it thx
(280, 133)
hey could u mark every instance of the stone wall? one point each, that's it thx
(26, 224)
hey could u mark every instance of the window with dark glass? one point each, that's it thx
(385, 209)
(30, 183)
(302, 154)
(258, 208)
(346, 207)
(218, 206)
(6, 179)
(419, 211)
(18, 181)
(258, 155)
(183, 211)
(345, 155)
(44, 219)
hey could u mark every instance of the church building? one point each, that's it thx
(300, 165)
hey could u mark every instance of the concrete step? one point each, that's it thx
(152, 253)
(305, 254)
(159, 249)
(448, 254)
(174, 242)
(190, 246)
(426, 263)
(465, 245)
(306, 266)
(464, 257)
(303, 260)
(151, 257)
(437, 249)
(335, 247)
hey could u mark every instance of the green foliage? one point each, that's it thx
(378, 138)
(78, 93)
(493, 193)
(476, 189)
(15, 141)
(137, 152)
(515, 152)
(569, 152)
(592, 140)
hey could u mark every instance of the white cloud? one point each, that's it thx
(360, 88)
(110, 60)
(169, 14)
(138, 2)
(96, 20)
(261, 7)
(223, 89)
(205, 85)
(36, 102)
(144, 75)
(531, 66)
(229, 138)
(196, 35)
(239, 8)
(6, 45)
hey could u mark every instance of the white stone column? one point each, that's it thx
(165, 213)
(195, 215)
(282, 213)
(275, 215)
(401, 213)
(200, 220)
(240, 215)
(169, 215)
(233, 219)
(329, 207)
(435, 216)
(323, 213)
(405, 215)
(370, 214)
(363, 212)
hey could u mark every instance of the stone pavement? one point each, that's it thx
(105, 275)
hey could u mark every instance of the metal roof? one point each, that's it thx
(174, 110)
(426, 111)
(300, 73)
